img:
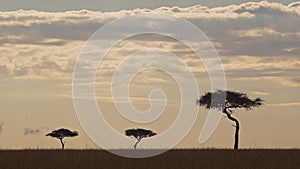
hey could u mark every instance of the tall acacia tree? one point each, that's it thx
(61, 134)
(139, 134)
(226, 101)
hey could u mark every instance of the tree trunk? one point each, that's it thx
(237, 128)
(138, 140)
(62, 144)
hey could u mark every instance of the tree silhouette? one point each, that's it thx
(139, 134)
(226, 101)
(62, 133)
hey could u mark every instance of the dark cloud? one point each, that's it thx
(38, 33)
(227, 34)
(296, 79)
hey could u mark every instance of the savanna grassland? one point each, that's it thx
(184, 158)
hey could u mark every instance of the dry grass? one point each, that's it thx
(187, 159)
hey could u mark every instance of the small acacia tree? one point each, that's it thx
(139, 134)
(62, 133)
(226, 101)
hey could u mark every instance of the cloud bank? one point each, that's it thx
(254, 39)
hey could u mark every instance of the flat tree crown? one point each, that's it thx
(61, 133)
(221, 99)
(139, 133)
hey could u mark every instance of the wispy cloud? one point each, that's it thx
(285, 104)
(260, 93)
(260, 32)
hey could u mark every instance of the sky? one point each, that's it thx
(258, 44)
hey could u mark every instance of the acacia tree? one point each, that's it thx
(139, 134)
(62, 133)
(226, 101)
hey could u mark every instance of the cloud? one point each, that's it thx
(294, 5)
(110, 99)
(254, 39)
(260, 63)
(285, 81)
(260, 32)
(285, 104)
(38, 61)
(260, 93)
(29, 18)
(282, 70)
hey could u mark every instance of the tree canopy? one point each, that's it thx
(139, 133)
(221, 99)
(61, 133)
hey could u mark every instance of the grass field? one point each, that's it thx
(187, 159)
